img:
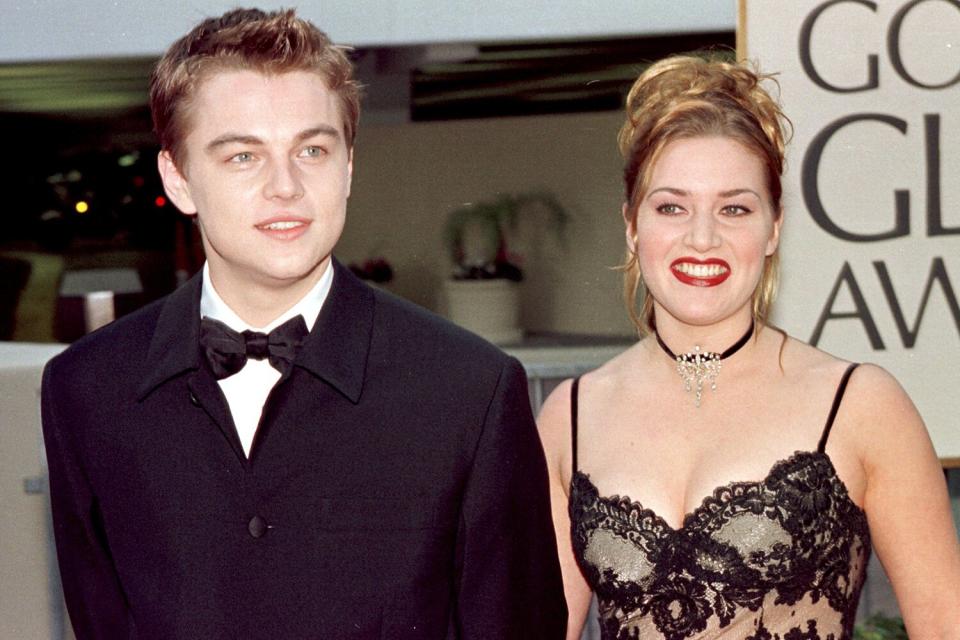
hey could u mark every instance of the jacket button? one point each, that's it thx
(257, 527)
(194, 400)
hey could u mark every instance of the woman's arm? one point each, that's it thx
(554, 426)
(907, 505)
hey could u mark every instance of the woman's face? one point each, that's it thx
(703, 228)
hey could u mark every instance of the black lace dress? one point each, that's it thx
(780, 559)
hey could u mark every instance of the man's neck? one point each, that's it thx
(258, 304)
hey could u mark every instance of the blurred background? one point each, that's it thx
(464, 102)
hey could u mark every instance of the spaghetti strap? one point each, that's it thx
(574, 392)
(841, 389)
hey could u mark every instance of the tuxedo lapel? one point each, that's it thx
(175, 350)
(206, 393)
(175, 344)
(334, 353)
(337, 349)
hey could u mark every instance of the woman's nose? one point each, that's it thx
(703, 233)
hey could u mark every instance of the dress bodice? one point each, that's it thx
(782, 558)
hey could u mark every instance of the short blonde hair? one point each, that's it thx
(274, 42)
(686, 97)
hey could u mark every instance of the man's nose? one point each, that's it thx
(284, 181)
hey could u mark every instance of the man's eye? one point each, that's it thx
(312, 152)
(243, 156)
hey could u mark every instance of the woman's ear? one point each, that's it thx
(175, 184)
(630, 222)
(774, 240)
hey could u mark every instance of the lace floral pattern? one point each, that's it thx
(780, 559)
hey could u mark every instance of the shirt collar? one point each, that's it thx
(336, 352)
(213, 306)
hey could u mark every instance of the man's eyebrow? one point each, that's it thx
(239, 138)
(232, 138)
(319, 130)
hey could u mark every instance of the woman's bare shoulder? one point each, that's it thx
(869, 383)
(802, 359)
(876, 407)
(555, 417)
(881, 406)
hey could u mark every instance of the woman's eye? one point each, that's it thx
(669, 208)
(734, 210)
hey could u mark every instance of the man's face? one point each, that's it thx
(267, 172)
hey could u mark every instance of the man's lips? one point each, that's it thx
(283, 227)
(700, 273)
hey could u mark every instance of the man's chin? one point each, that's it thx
(287, 276)
(269, 276)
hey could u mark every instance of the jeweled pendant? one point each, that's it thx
(697, 368)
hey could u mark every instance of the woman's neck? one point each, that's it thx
(681, 337)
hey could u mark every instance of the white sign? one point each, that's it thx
(871, 239)
(55, 29)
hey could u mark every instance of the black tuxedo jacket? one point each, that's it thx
(396, 487)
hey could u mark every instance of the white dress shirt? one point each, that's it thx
(247, 390)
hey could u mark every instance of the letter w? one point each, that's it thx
(938, 273)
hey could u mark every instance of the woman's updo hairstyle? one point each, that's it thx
(688, 97)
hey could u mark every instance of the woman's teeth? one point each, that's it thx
(700, 270)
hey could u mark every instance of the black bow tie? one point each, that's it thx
(227, 350)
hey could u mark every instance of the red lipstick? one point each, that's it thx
(700, 273)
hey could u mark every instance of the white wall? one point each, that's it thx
(55, 29)
(26, 609)
(407, 177)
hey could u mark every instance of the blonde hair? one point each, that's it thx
(274, 42)
(686, 97)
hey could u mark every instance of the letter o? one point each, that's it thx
(893, 47)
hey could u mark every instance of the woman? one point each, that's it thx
(760, 477)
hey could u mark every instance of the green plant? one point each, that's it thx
(476, 234)
(880, 627)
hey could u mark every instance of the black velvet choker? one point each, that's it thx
(697, 367)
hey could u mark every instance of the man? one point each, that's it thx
(377, 477)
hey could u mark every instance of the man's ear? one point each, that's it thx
(175, 184)
(349, 170)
